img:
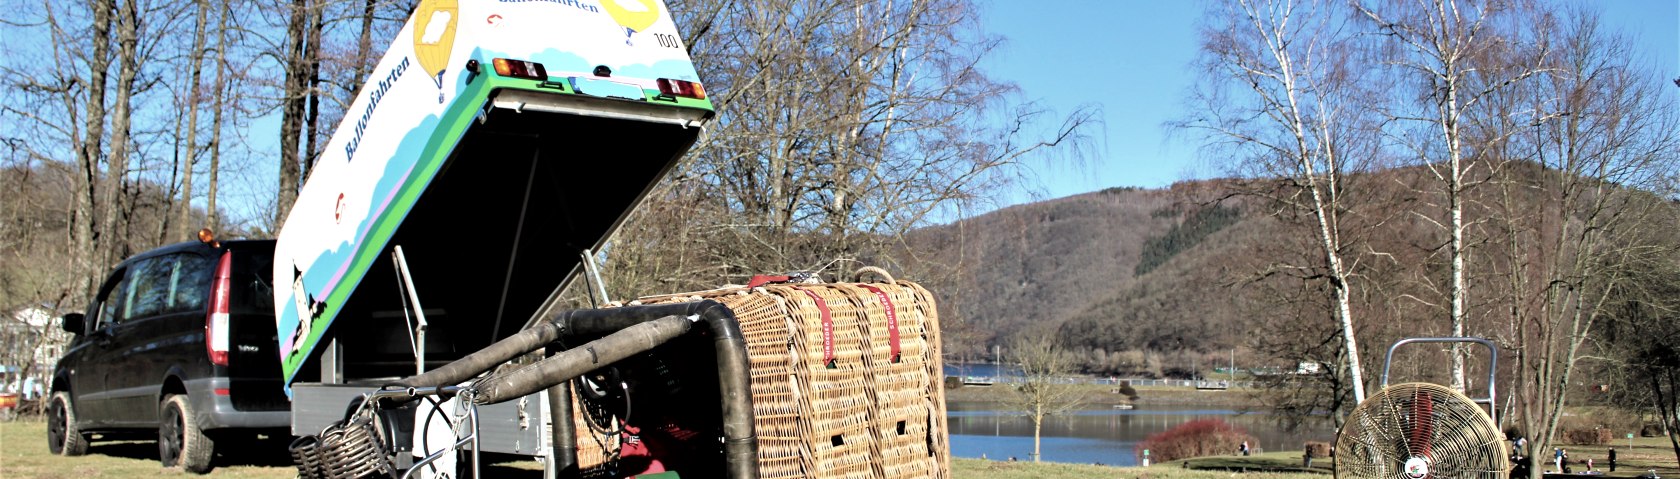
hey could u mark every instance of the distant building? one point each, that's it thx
(1307, 367)
(31, 342)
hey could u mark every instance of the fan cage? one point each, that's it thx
(1420, 431)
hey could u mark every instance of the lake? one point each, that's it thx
(1108, 436)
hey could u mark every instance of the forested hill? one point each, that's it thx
(1154, 281)
(1141, 268)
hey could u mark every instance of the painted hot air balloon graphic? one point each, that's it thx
(633, 15)
(434, 37)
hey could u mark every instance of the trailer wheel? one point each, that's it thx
(63, 437)
(180, 441)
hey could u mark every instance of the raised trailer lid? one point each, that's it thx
(494, 141)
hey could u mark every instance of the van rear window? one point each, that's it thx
(253, 292)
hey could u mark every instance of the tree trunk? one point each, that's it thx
(211, 217)
(311, 129)
(364, 47)
(293, 102)
(113, 242)
(1455, 209)
(1667, 414)
(85, 217)
(1038, 435)
(184, 223)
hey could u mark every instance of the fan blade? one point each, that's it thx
(1422, 431)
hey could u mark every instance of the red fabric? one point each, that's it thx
(761, 280)
(635, 448)
(827, 327)
(892, 318)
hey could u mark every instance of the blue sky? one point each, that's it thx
(1132, 57)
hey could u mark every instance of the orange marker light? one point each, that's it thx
(682, 88)
(520, 69)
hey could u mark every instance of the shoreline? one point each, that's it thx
(1103, 394)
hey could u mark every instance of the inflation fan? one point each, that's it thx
(1423, 431)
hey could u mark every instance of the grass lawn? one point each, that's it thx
(23, 454)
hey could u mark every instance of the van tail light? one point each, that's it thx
(682, 88)
(519, 69)
(216, 322)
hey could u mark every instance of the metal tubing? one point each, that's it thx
(433, 457)
(1493, 366)
(576, 361)
(740, 446)
(740, 443)
(562, 432)
(524, 341)
(472, 411)
(419, 312)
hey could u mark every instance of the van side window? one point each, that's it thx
(150, 294)
(112, 299)
(169, 284)
(189, 284)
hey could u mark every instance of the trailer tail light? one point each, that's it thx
(682, 88)
(216, 322)
(520, 69)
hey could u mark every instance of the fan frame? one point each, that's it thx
(1491, 411)
(1493, 368)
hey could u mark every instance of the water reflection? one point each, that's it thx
(1106, 436)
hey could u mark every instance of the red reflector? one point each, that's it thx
(682, 88)
(216, 319)
(221, 391)
(520, 69)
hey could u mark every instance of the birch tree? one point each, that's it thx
(1283, 98)
(1435, 45)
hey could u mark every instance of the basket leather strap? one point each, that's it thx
(763, 279)
(827, 327)
(892, 318)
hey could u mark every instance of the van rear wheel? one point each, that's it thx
(180, 441)
(62, 435)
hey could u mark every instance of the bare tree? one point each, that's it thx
(90, 143)
(1043, 390)
(219, 104)
(1438, 42)
(1641, 342)
(1284, 98)
(828, 159)
(184, 223)
(1607, 150)
(301, 27)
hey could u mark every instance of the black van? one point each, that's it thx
(179, 341)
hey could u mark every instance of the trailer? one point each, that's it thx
(494, 146)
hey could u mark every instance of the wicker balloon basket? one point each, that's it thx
(845, 379)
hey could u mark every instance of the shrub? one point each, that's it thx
(1202, 437)
(1127, 390)
(953, 382)
(1594, 436)
(1317, 448)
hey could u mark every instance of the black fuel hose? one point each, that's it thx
(574, 362)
